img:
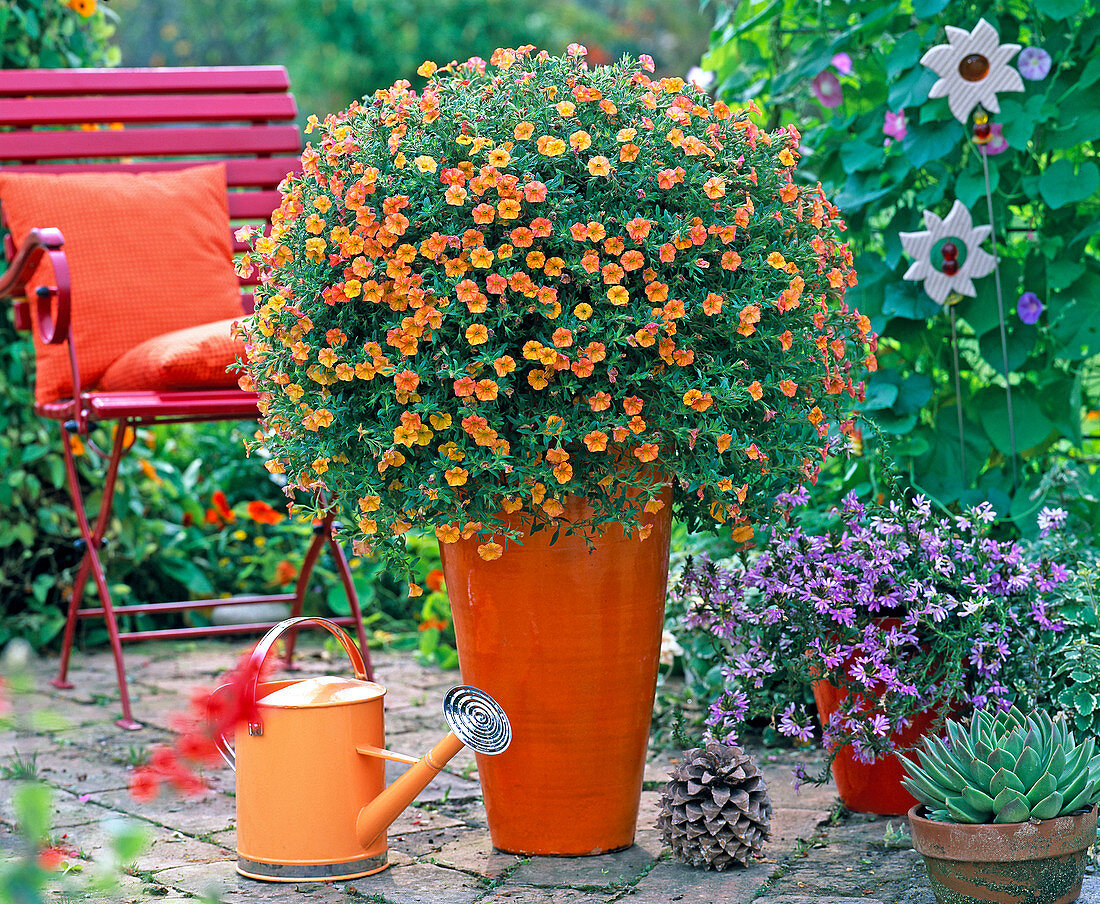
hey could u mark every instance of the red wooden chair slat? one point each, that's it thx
(202, 111)
(252, 205)
(72, 144)
(144, 81)
(37, 111)
(240, 172)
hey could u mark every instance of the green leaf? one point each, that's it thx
(931, 141)
(128, 839)
(1020, 340)
(907, 299)
(1048, 807)
(1032, 426)
(925, 9)
(970, 186)
(962, 811)
(33, 807)
(1063, 273)
(858, 155)
(879, 395)
(911, 90)
(1075, 318)
(1060, 184)
(1060, 9)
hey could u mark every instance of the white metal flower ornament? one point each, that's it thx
(943, 277)
(973, 68)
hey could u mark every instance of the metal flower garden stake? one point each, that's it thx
(946, 280)
(973, 68)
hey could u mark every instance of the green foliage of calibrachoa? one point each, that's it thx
(538, 280)
(850, 75)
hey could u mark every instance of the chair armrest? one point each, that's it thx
(53, 328)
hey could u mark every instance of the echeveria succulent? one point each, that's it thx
(1006, 767)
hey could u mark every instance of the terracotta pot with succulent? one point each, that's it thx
(1008, 809)
(539, 301)
(894, 618)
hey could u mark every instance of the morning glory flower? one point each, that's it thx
(1034, 63)
(997, 144)
(894, 125)
(842, 63)
(827, 89)
(1029, 308)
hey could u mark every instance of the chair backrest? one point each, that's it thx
(138, 120)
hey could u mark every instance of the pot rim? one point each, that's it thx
(1008, 841)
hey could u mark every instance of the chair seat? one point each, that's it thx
(207, 404)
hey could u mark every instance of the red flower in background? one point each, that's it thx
(434, 580)
(221, 506)
(285, 572)
(212, 714)
(262, 513)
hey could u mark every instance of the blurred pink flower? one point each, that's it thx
(827, 89)
(996, 144)
(893, 125)
(842, 63)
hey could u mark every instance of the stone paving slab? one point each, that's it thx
(440, 850)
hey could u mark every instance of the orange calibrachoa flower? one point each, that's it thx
(611, 271)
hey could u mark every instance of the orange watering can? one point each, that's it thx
(312, 801)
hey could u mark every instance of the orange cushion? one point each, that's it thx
(148, 253)
(194, 358)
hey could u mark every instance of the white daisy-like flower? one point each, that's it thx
(973, 68)
(958, 227)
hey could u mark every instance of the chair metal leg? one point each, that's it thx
(353, 597)
(92, 540)
(322, 534)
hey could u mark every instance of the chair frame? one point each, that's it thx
(211, 97)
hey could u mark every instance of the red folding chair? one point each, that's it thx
(171, 118)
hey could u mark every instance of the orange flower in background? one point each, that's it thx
(84, 8)
(285, 572)
(262, 513)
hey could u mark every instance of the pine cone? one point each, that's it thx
(714, 811)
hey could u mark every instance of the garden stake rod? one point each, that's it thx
(1001, 317)
(951, 302)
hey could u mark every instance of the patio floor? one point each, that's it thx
(439, 849)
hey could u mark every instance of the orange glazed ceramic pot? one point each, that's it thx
(871, 787)
(566, 638)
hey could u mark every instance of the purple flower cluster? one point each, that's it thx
(901, 610)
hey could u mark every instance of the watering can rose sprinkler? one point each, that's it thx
(312, 801)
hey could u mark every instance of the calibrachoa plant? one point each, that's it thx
(903, 610)
(537, 279)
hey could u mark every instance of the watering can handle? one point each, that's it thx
(256, 662)
(263, 648)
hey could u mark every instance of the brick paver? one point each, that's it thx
(439, 849)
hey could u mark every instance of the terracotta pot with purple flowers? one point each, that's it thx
(896, 617)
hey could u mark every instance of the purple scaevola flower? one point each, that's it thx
(1029, 308)
(842, 63)
(997, 143)
(827, 89)
(874, 604)
(1034, 63)
(894, 125)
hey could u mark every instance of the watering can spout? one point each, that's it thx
(476, 721)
